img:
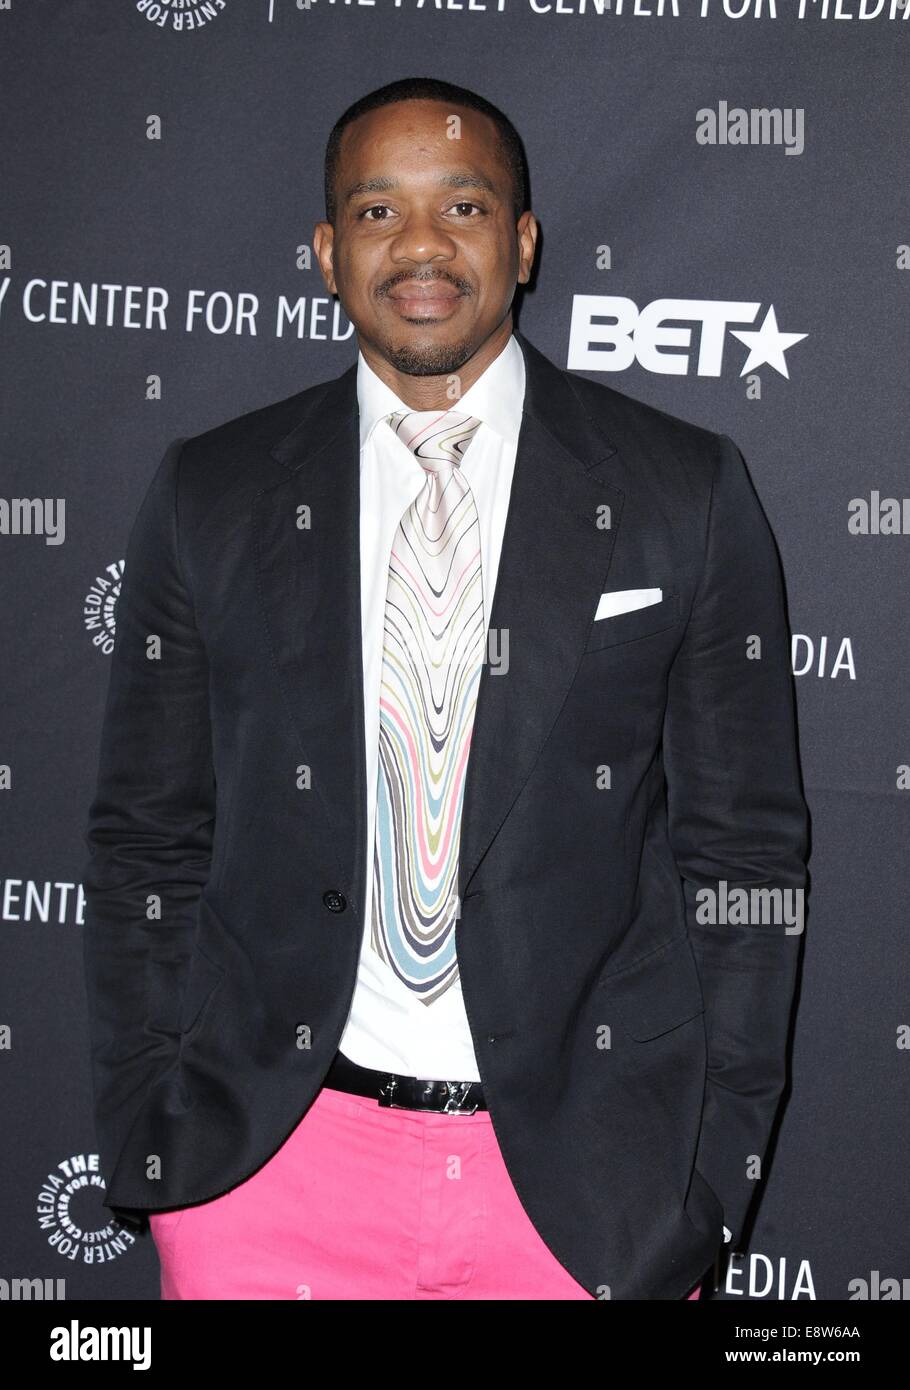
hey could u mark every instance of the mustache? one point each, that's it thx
(410, 278)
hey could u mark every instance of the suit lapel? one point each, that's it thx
(552, 569)
(553, 566)
(307, 549)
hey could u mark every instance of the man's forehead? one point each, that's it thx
(480, 167)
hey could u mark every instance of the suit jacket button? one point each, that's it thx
(334, 901)
(491, 1037)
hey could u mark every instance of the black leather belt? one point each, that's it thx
(404, 1092)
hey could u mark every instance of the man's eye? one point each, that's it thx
(383, 207)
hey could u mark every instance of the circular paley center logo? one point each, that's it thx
(180, 16)
(99, 609)
(71, 1215)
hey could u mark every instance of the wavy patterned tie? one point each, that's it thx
(433, 650)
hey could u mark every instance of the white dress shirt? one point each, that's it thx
(388, 1027)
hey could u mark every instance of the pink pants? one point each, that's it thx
(366, 1202)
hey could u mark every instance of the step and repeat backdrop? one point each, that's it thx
(722, 188)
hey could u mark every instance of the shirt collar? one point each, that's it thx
(496, 398)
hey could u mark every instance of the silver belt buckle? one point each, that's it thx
(454, 1105)
(457, 1091)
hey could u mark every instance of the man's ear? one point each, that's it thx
(526, 228)
(324, 247)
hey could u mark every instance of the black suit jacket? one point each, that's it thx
(632, 1057)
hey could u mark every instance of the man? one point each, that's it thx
(447, 698)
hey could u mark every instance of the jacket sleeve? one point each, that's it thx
(150, 824)
(738, 820)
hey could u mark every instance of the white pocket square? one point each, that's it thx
(625, 600)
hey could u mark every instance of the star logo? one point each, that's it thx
(767, 344)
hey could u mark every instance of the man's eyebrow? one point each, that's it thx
(454, 179)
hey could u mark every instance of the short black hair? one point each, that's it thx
(430, 89)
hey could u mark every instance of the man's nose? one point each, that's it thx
(422, 238)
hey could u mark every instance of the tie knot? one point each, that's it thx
(435, 436)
